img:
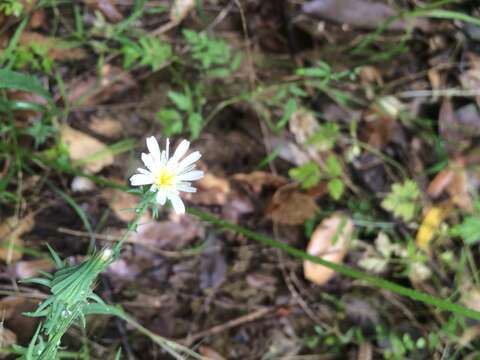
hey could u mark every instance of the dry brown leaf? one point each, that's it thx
(257, 180)
(107, 8)
(303, 125)
(12, 309)
(106, 126)
(458, 189)
(90, 152)
(440, 182)
(290, 206)
(359, 14)
(91, 91)
(11, 231)
(180, 10)
(168, 234)
(57, 48)
(212, 190)
(122, 203)
(329, 241)
(7, 338)
(31, 268)
(209, 353)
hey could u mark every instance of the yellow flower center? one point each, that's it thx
(165, 178)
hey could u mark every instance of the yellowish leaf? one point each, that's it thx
(430, 224)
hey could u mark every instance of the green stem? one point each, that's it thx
(341, 269)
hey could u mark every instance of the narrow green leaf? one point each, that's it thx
(18, 81)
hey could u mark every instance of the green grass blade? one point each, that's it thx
(18, 81)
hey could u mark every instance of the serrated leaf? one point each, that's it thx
(308, 174)
(336, 188)
(182, 101)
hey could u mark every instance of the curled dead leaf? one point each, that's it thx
(11, 231)
(107, 8)
(180, 10)
(257, 180)
(329, 241)
(90, 152)
(290, 206)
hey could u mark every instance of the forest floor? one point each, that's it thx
(345, 129)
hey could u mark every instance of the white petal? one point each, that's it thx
(144, 172)
(167, 149)
(186, 188)
(161, 197)
(141, 179)
(190, 176)
(149, 162)
(177, 203)
(190, 159)
(180, 151)
(152, 145)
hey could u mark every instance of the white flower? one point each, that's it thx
(168, 175)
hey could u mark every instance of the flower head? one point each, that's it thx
(168, 175)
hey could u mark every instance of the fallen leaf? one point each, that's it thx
(458, 189)
(31, 268)
(440, 182)
(329, 242)
(11, 231)
(211, 190)
(209, 353)
(90, 152)
(303, 125)
(7, 338)
(257, 180)
(470, 78)
(430, 224)
(358, 13)
(57, 49)
(92, 91)
(12, 309)
(290, 206)
(123, 204)
(180, 10)
(106, 126)
(168, 235)
(107, 8)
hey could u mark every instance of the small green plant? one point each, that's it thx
(13, 7)
(402, 200)
(34, 55)
(213, 56)
(189, 104)
(469, 229)
(310, 174)
(325, 137)
(146, 51)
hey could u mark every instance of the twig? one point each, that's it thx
(226, 326)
